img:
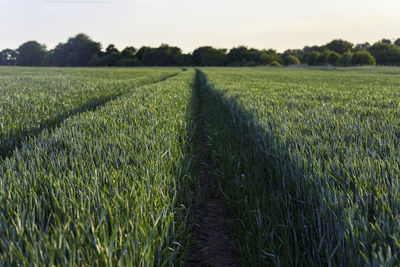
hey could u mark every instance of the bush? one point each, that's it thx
(363, 58)
(291, 60)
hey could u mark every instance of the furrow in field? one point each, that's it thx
(213, 245)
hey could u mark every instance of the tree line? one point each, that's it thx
(81, 50)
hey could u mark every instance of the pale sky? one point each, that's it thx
(278, 24)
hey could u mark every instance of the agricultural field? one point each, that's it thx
(106, 186)
(309, 161)
(99, 166)
(34, 99)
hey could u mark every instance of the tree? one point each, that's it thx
(242, 56)
(397, 42)
(78, 51)
(363, 45)
(346, 58)
(128, 57)
(333, 58)
(30, 53)
(164, 55)
(274, 64)
(209, 56)
(313, 57)
(8, 57)
(266, 57)
(145, 55)
(128, 52)
(339, 46)
(48, 59)
(385, 54)
(111, 49)
(323, 57)
(363, 58)
(299, 53)
(386, 41)
(111, 57)
(291, 60)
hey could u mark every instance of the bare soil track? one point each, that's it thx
(213, 244)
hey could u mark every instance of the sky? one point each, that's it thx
(277, 24)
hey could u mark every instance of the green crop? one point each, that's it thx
(32, 99)
(106, 187)
(309, 163)
(97, 165)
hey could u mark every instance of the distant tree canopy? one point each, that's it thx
(333, 58)
(8, 57)
(339, 46)
(346, 58)
(385, 54)
(163, 55)
(363, 58)
(209, 56)
(313, 58)
(291, 60)
(81, 50)
(31, 53)
(77, 51)
(386, 41)
(363, 45)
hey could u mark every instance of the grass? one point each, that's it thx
(97, 164)
(32, 99)
(309, 163)
(106, 187)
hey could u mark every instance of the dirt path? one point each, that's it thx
(213, 244)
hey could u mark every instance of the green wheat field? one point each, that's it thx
(97, 164)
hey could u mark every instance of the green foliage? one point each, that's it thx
(34, 99)
(108, 187)
(243, 56)
(291, 60)
(386, 41)
(209, 56)
(82, 51)
(385, 54)
(363, 58)
(77, 51)
(339, 46)
(8, 57)
(333, 58)
(346, 58)
(274, 64)
(313, 58)
(164, 55)
(267, 57)
(323, 57)
(308, 161)
(365, 45)
(30, 54)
